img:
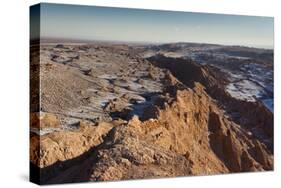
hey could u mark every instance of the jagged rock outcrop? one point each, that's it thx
(185, 127)
(189, 135)
(252, 115)
(64, 145)
(126, 154)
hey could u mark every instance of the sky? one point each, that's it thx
(138, 25)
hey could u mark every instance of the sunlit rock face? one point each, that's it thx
(113, 112)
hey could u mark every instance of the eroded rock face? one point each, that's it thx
(253, 116)
(65, 145)
(189, 136)
(177, 125)
(195, 123)
(129, 156)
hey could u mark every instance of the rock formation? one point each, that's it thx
(186, 131)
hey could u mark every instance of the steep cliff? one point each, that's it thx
(165, 117)
(188, 135)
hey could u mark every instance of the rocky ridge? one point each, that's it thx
(187, 131)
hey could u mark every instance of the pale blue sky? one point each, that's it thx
(120, 24)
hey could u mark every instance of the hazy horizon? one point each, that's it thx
(88, 23)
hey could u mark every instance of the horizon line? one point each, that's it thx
(77, 40)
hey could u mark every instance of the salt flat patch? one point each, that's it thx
(244, 90)
(174, 54)
(234, 56)
(107, 76)
(234, 77)
(44, 131)
(100, 99)
(152, 86)
(148, 54)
